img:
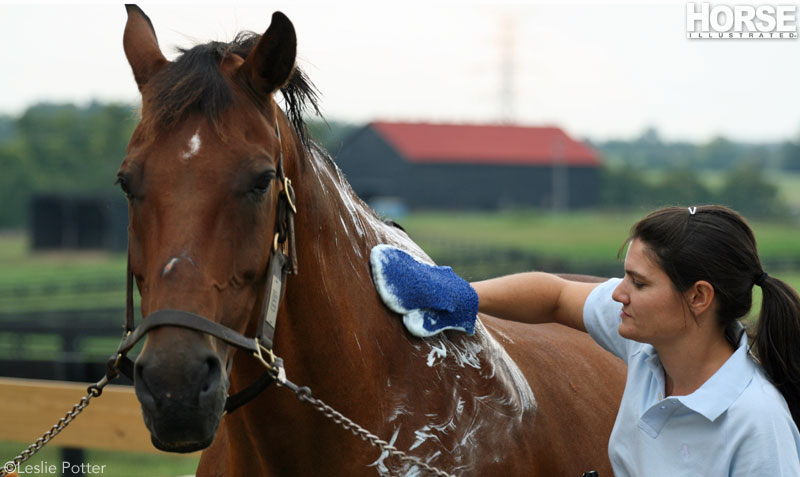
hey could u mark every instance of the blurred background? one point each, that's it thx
(528, 135)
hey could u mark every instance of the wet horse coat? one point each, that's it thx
(200, 174)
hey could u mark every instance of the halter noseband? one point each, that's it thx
(260, 346)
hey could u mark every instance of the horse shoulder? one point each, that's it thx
(577, 386)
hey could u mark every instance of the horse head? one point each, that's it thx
(202, 175)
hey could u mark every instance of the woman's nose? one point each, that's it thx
(620, 294)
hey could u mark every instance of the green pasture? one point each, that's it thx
(128, 464)
(61, 280)
(47, 281)
(575, 236)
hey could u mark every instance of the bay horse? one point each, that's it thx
(205, 173)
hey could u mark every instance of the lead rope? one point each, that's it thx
(94, 390)
(303, 393)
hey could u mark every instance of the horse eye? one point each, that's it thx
(122, 182)
(262, 182)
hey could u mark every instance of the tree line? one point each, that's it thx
(648, 171)
(70, 149)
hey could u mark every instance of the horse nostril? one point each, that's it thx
(212, 375)
(209, 370)
(143, 389)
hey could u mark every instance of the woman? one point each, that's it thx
(696, 401)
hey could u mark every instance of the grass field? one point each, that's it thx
(117, 464)
(57, 280)
(577, 236)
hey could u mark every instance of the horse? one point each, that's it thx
(208, 174)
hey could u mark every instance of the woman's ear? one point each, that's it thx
(700, 297)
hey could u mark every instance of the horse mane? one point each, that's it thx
(193, 83)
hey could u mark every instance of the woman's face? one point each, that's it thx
(653, 311)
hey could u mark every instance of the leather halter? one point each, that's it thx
(280, 264)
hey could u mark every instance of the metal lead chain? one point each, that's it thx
(304, 395)
(93, 391)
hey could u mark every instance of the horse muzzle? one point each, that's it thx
(182, 388)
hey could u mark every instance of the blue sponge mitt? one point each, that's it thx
(430, 298)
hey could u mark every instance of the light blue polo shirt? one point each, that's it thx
(735, 424)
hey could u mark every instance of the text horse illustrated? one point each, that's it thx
(214, 173)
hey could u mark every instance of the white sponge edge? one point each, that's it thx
(414, 322)
(377, 259)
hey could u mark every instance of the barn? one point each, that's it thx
(78, 223)
(461, 166)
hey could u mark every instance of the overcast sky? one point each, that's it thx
(599, 70)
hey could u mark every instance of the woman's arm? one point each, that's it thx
(534, 297)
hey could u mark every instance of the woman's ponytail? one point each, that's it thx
(777, 339)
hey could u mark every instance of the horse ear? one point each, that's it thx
(141, 46)
(271, 62)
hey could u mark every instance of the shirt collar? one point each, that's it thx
(722, 389)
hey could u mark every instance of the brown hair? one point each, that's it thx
(715, 244)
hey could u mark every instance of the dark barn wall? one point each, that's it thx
(372, 167)
(83, 223)
(375, 169)
(584, 187)
(478, 186)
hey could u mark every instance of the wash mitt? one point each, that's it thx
(430, 298)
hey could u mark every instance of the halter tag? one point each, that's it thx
(274, 301)
(275, 280)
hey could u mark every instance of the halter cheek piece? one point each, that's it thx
(280, 264)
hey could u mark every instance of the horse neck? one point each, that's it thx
(332, 296)
(336, 337)
(335, 233)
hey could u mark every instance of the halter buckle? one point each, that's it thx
(288, 191)
(274, 365)
(259, 354)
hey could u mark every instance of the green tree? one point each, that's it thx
(60, 149)
(681, 186)
(746, 190)
(720, 153)
(623, 186)
(330, 134)
(16, 182)
(790, 155)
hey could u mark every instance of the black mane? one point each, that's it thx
(193, 83)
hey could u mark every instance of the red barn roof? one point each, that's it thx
(485, 144)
